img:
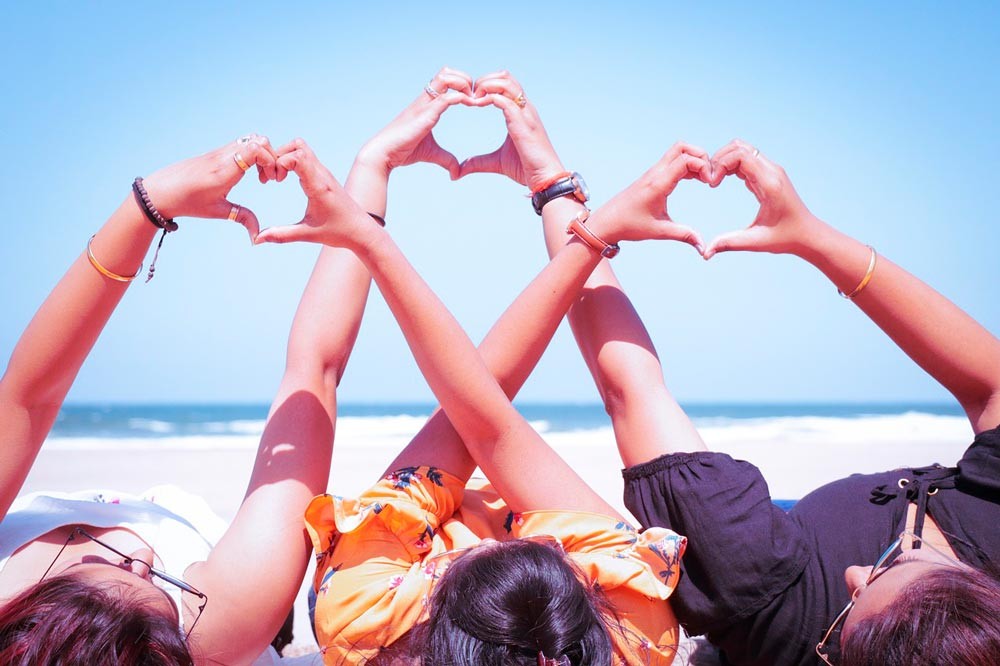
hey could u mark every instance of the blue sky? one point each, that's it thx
(884, 116)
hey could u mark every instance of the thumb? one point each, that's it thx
(742, 239)
(241, 215)
(291, 233)
(443, 158)
(684, 234)
(488, 163)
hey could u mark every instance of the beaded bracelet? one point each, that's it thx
(155, 218)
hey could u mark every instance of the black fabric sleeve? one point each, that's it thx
(743, 552)
(979, 468)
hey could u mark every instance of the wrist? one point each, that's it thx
(543, 176)
(372, 160)
(814, 241)
(166, 199)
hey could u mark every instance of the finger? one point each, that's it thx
(671, 230)
(265, 172)
(512, 113)
(742, 239)
(291, 233)
(683, 148)
(443, 158)
(507, 87)
(452, 80)
(241, 215)
(685, 166)
(726, 162)
(301, 160)
(488, 163)
(744, 165)
(499, 74)
(261, 156)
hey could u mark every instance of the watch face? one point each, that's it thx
(581, 192)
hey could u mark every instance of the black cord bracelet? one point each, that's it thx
(153, 215)
(155, 218)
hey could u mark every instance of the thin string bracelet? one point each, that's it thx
(111, 275)
(154, 217)
(866, 279)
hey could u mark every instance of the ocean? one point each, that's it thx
(225, 426)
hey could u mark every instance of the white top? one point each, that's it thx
(180, 528)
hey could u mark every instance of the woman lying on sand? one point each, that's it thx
(879, 569)
(106, 578)
(427, 566)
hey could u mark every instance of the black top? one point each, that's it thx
(764, 585)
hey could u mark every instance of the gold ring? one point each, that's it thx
(234, 213)
(434, 94)
(239, 162)
(520, 100)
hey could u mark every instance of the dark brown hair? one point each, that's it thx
(507, 603)
(950, 616)
(64, 621)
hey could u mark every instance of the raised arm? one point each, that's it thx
(59, 338)
(475, 404)
(260, 576)
(621, 357)
(942, 339)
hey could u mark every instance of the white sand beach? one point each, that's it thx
(795, 457)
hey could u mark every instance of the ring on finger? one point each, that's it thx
(521, 100)
(234, 213)
(246, 138)
(240, 162)
(429, 89)
(756, 152)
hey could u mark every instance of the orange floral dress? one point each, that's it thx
(378, 558)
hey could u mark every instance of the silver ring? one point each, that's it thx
(434, 94)
(246, 139)
(756, 152)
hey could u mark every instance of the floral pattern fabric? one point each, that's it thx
(379, 556)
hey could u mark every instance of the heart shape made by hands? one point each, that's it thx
(466, 131)
(712, 211)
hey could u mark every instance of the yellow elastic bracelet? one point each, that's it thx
(866, 279)
(104, 271)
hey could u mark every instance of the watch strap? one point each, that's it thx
(578, 226)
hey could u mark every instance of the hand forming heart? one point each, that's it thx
(527, 157)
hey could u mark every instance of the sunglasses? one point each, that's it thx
(827, 649)
(128, 560)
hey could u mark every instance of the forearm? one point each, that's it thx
(942, 339)
(322, 337)
(498, 438)
(59, 338)
(622, 359)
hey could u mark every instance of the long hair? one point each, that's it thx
(950, 616)
(64, 621)
(505, 604)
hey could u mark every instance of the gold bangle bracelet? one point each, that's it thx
(104, 271)
(866, 279)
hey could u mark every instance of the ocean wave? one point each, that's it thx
(396, 431)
